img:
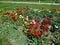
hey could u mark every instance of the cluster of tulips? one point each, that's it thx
(10, 14)
(36, 25)
(32, 23)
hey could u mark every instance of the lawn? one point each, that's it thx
(8, 6)
(4, 40)
(49, 1)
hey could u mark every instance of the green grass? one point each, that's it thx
(10, 6)
(33, 0)
(4, 41)
(47, 1)
(20, 0)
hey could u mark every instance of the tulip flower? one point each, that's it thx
(11, 14)
(36, 24)
(48, 20)
(30, 27)
(25, 22)
(33, 22)
(21, 10)
(14, 18)
(6, 12)
(37, 33)
(44, 27)
(54, 9)
(20, 16)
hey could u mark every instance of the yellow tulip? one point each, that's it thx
(25, 22)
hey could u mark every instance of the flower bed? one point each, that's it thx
(39, 26)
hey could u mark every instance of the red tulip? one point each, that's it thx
(6, 12)
(48, 20)
(44, 28)
(11, 14)
(14, 18)
(36, 24)
(45, 21)
(21, 10)
(54, 9)
(37, 33)
(30, 27)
